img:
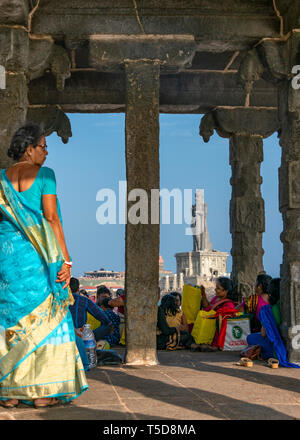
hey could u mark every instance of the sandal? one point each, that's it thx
(46, 402)
(273, 363)
(245, 362)
(9, 403)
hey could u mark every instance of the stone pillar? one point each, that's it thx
(141, 55)
(247, 215)
(246, 128)
(181, 281)
(167, 284)
(14, 44)
(142, 240)
(175, 282)
(289, 202)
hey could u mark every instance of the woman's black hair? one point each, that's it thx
(102, 289)
(27, 134)
(105, 303)
(120, 292)
(274, 290)
(176, 294)
(226, 284)
(168, 304)
(264, 280)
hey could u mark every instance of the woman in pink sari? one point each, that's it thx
(222, 303)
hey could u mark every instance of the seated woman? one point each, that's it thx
(222, 303)
(178, 301)
(269, 338)
(172, 326)
(114, 337)
(249, 305)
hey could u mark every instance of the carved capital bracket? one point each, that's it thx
(268, 60)
(51, 118)
(109, 52)
(227, 121)
(272, 60)
(44, 55)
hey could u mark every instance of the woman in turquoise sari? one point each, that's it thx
(39, 360)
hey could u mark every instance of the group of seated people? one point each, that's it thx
(104, 316)
(263, 307)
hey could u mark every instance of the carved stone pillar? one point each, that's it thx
(246, 129)
(278, 62)
(142, 240)
(24, 57)
(247, 214)
(289, 202)
(143, 56)
(14, 45)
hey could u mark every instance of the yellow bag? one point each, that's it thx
(122, 340)
(191, 302)
(94, 323)
(205, 327)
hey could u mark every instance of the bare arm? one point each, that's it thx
(204, 298)
(184, 325)
(51, 215)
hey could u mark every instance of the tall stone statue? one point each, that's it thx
(201, 240)
(196, 233)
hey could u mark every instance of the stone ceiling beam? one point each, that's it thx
(89, 91)
(107, 53)
(213, 23)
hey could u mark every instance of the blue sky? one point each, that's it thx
(94, 159)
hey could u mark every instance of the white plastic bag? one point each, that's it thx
(236, 333)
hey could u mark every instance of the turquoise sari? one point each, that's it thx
(38, 353)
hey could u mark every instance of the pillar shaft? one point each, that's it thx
(13, 93)
(289, 201)
(246, 128)
(247, 219)
(142, 240)
(13, 108)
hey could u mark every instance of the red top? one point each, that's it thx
(121, 308)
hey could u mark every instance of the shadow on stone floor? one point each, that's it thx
(186, 359)
(278, 381)
(192, 399)
(72, 412)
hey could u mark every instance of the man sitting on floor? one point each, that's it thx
(113, 338)
(84, 305)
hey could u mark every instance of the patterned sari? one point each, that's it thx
(38, 353)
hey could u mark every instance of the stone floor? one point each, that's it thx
(184, 386)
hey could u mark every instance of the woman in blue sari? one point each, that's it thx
(39, 361)
(269, 338)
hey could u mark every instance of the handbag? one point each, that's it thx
(205, 327)
(191, 302)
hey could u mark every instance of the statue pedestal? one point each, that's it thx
(202, 264)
